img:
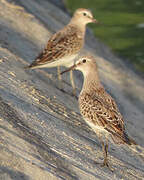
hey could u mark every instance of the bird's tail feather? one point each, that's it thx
(31, 66)
(27, 67)
(118, 139)
(126, 139)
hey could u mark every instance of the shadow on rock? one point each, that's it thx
(6, 173)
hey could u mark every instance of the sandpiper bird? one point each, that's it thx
(63, 47)
(98, 108)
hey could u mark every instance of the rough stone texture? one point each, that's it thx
(43, 136)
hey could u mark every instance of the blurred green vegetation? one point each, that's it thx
(120, 29)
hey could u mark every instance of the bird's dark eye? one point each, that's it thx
(84, 60)
(84, 14)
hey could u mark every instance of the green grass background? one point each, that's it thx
(120, 29)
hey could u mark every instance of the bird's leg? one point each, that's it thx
(105, 151)
(72, 83)
(59, 78)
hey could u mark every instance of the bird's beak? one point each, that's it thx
(69, 69)
(95, 21)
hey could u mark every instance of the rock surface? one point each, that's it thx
(43, 136)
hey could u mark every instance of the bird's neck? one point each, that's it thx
(91, 82)
(79, 25)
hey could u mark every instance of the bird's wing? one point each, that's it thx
(60, 44)
(102, 111)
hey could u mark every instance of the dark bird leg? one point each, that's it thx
(105, 151)
(71, 79)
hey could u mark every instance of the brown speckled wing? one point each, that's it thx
(102, 111)
(63, 43)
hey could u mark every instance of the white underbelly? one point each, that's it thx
(66, 61)
(96, 128)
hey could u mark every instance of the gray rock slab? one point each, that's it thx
(42, 134)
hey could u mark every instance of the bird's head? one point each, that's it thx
(85, 64)
(84, 16)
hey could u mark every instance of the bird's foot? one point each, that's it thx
(62, 90)
(106, 163)
(74, 95)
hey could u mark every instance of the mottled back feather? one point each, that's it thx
(100, 108)
(66, 42)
